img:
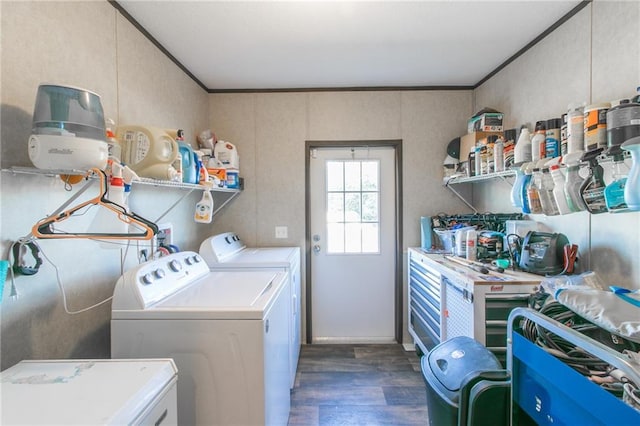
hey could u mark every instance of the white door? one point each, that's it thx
(352, 215)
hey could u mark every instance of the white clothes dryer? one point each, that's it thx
(226, 331)
(228, 252)
(89, 392)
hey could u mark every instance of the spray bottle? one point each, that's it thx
(632, 188)
(592, 189)
(614, 192)
(204, 207)
(533, 194)
(128, 176)
(573, 182)
(547, 200)
(558, 189)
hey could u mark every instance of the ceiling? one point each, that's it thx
(283, 45)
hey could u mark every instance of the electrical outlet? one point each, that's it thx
(281, 232)
(165, 234)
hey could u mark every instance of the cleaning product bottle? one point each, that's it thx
(522, 153)
(472, 237)
(533, 194)
(115, 150)
(558, 189)
(573, 182)
(575, 128)
(632, 187)
(128, 176)
(528, 173)
(204, 208)
(538, 146)
(516, 189)
(592, 189)
(498, 155)
(552, 138)
(614, 192)
(547, 201)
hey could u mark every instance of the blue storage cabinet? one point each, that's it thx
(548, 392)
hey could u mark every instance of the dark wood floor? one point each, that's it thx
(358, 385)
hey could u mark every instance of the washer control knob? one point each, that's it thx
(159, 273)
(175, 266)
(188, 260)
(197, 258)
(146, 279)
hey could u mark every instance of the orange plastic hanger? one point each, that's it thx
(45, 228)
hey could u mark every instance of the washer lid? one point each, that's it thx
(218, 295)
(82, 392)
(254, 257)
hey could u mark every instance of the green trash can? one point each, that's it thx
(466, 385)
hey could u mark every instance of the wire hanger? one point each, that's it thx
(44, 228)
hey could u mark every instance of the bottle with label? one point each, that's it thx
(498, 155)
(478, 160)
(592, 189)
(533, 194)
(558, 189)
(528, 174)
(574, 182)
(204, 208)
(563, 135)
(614, 192)
(575, 128)
(552, 138)
(522, 153)
(547, 201)
(516, 190)
(538, 146)
(632, 187)
(472, 238)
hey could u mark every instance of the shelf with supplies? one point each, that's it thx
(223, 195)
(453, 180)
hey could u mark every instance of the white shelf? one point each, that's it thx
(142, 181)
(227, 194)
(464, 179)
(476, 179)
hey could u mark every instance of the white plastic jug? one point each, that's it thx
(149, 151)
(227, 154)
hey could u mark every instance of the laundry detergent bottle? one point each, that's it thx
(632, 187)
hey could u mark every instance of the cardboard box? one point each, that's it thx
(487, 122)
(468, 142)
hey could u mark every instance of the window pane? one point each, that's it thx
(352, 176)
(335, 176)
(353, 237)
(370, 238)
(370, 176)
(335, 238)
(352, 206)
(369, 206)
(335, 207)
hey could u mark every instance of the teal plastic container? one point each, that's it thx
(189, 165)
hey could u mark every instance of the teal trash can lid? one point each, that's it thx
(452, 360)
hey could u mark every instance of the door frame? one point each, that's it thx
(396, 144)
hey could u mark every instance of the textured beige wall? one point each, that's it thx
(594, 57)
(88, 45)
(270, 131)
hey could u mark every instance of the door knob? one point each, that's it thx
(316, 248)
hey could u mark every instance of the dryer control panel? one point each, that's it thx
(150, 282)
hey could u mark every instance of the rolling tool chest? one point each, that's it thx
(446, 300)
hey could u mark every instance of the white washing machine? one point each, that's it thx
(89, 392)
(228, 252)
(226, 331)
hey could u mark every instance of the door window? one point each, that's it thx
(353, 206)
